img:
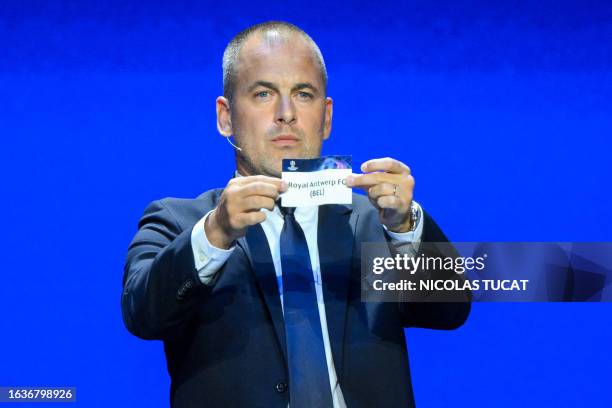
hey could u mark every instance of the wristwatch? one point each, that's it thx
(415, 216)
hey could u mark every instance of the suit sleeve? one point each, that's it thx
(435, 309)
(160, 283)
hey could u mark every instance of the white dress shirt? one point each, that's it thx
(209, 259)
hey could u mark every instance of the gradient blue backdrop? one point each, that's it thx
(502, 110)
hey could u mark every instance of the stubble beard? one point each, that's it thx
(269, 166)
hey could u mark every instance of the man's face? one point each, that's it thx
(279, 108)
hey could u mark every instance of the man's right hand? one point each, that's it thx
(239, 207)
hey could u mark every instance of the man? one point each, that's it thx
(211, 276)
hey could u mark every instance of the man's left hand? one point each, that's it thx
(390, 187)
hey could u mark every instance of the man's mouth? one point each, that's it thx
(285, 140)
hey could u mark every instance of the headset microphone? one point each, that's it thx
(230, 142)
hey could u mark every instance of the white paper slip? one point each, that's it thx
(317, 181)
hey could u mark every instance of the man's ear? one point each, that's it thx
(327, 124)
(224, 117)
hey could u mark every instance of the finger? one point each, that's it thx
(382, 189)
(366, 181)
(260, 178)
(386, 164)
(252, 218)
(389, 201)
(256, 203)
(260, 188)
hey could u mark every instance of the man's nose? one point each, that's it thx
(286, 111)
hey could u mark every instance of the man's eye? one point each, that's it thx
(262, 94)
(304, 95)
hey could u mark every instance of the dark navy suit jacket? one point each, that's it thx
(224, 343)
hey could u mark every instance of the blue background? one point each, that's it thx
(502, 110)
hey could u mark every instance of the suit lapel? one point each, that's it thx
(256, 247)
(335, 241)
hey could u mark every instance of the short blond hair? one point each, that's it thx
(232, 51)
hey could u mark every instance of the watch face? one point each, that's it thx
(414, 216)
